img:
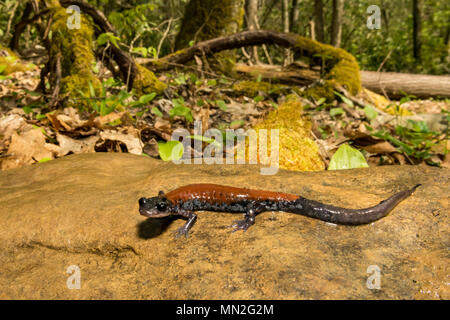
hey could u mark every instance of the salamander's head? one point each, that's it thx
(155, 207)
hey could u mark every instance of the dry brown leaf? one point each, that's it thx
(11, 124)
(163, 125)
(26, 148)
(130, 139)
(446, 162)
(67, 144)
(380, 148)
(102, 120)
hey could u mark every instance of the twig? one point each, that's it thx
(58, 72)
(247, 56)
(8, 27)
(379, 73)
(164, 37)
(266, 52)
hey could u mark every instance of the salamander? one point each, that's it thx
(184, 201)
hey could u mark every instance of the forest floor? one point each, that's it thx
(121, 123)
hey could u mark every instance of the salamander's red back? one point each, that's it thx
(218, 193)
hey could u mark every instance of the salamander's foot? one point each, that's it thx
(242, 225)
(181, 232)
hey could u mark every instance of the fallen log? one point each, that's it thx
(396, 85)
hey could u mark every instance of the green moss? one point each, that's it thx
(344, 68)
(146, 82)
(74, 47)
(11, 62)
(252, 88)
(208, 19)
(297, 151)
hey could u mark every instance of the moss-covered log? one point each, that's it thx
(340, 67)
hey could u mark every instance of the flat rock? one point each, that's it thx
(82, 210)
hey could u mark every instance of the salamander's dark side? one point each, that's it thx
(211, 197)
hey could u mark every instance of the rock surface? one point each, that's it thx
(82, 210)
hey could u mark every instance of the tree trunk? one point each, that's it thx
(251, 10)
(285, 18)
(417, 29)
(336, 27)
(293, 18)
(318, 20)
(208, 19)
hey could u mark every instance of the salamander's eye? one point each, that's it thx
(161, 206)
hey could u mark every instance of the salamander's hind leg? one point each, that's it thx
(249, 218)
(184, 230)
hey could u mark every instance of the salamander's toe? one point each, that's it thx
(240, 225)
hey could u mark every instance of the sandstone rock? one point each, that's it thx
(82, 210)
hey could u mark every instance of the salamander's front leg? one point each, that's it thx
(249, 218)
(191, 218)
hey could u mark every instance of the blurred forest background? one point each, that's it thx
(133, 72)
(420, 49)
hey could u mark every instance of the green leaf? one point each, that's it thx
(170, 150)
(44, 160)
(107, 36)
(207, 140)
(180, 109)
(222, 105)
(2, 68)
(370, 112)
(344, 99)
(193, 77)
(27, 109)
(239, 123)
(258, 98)
(156, 112)
(347, 157)
(212, 82)
(181, 79)
(147, 98)
(336, 111)
(321, 100)
(142, 50)
(91, 89)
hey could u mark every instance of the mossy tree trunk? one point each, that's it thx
(208, 19)
(70, 43)
(71, 57)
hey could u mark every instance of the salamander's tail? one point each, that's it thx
(339, 215)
